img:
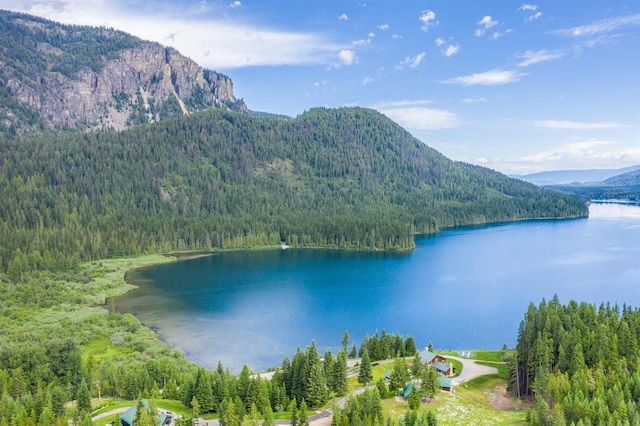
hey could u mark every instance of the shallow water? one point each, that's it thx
(463, 288)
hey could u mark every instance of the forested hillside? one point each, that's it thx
(581, 362)
(217, 180)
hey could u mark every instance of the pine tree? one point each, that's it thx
(365, 375)
(339, 374)
(399, 375)
(314, 384)
(84, 398)
(414, 398)
(345, 340)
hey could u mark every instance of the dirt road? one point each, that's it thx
(471, 370)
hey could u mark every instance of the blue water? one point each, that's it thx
(461, 289)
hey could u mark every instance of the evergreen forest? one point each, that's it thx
(580, 362)
(345, 178)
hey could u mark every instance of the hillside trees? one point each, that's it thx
(581, 362)
(221, 180)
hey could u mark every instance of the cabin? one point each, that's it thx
(438, 362)
(127, 418)
(446, 383)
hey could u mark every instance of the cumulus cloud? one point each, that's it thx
(451, 50)
(428, 19)
(447, 50)
(577, 125)
(488, 78)
(484, 24)
(198, 32)
(343, 17)
(599, 27)
(412, 61)
(473, 100)
(367, 80)
(530, 57)
(346, 57)
(235, 4)
(413, 116)
(383, 27)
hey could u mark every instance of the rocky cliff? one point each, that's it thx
(61, 76)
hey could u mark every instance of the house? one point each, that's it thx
(443, 368)
(127, 418)
(429, 357)
(438, 362)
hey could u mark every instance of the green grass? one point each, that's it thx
(503, 371)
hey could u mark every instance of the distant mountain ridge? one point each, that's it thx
(565, 177)
(77, 77)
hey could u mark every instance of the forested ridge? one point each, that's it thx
(347, 178)
(580, 362)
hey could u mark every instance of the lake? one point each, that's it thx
(461, 289)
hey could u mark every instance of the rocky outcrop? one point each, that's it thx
(143, 83)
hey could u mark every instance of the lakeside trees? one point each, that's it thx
(346, 178)
(580, 362)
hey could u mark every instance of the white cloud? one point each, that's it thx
(395, 36)
(571, 155)
(411, 115)
(531, 7)
(533, 17)
(367, 80)
(451, 50)
(488, 78)
(412, 61)
(371, 35)
(235, 4)
(346, 57)
(361, 42)
(383, 27)
(577, 125)
(440, 41)
(473, 100)
(343, 17)
(530, 57)
(580, 151)
(213, 41)
(428, 19)
(485, 23)
(598, 27)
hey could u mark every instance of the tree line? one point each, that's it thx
(580, 362)
(347, 178)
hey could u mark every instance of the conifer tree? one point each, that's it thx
(365, 375)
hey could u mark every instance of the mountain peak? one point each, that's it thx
(88, 78)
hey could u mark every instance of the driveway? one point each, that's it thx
(471, 370)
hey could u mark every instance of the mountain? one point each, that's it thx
(85, 78)
(565, 177)
(625, 179)
(346, 177)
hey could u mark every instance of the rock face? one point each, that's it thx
(121, 81)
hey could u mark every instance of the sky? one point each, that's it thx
(515, 86)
